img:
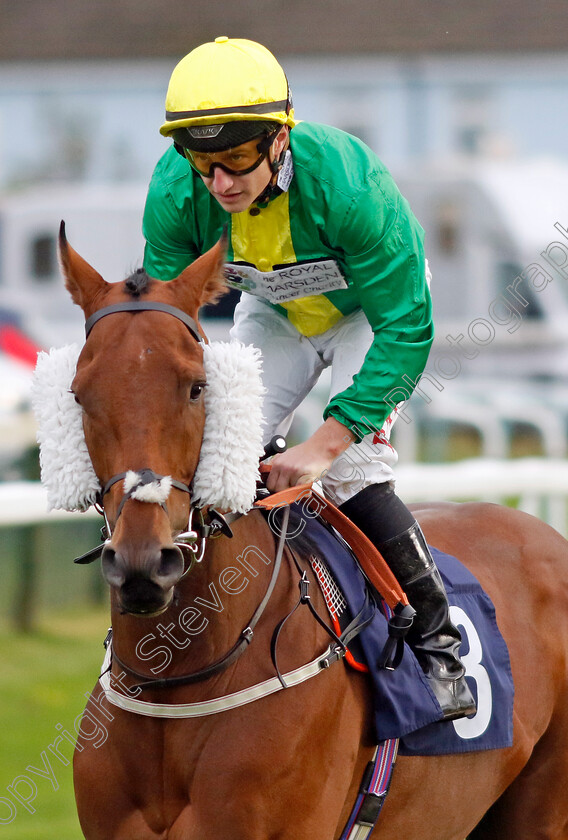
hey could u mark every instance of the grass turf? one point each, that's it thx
(44, 678)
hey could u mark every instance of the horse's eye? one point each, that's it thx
(196, 391)
(75, 397)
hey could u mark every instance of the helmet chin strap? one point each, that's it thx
(272, 188)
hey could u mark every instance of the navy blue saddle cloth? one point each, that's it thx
(403, 704)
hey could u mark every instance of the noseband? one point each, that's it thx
(145, 477)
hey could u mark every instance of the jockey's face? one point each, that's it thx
(234, 192)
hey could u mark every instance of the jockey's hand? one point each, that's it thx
(307, 462)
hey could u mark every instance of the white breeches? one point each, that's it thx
(292, 364)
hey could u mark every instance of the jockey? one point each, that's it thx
(331, 261)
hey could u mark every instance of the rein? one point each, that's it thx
(335, 652)
(146, 485)
(219, 523)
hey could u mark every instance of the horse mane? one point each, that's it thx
(138, 283)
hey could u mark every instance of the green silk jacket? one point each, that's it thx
(341, 208)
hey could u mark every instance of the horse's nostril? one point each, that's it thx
(111, 567)
(162, 568)
(170, 568)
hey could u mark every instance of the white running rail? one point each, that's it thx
(536, 485)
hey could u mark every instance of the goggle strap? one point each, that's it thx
(267, 141)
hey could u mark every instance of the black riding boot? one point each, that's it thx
(433, 638)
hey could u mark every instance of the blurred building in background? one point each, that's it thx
(98, 120)
(465, 103)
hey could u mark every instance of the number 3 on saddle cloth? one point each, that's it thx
(404, 706)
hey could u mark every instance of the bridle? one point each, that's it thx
(195, 536)
(190, 537)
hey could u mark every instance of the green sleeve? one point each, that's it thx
(384, 256)
(169, 247)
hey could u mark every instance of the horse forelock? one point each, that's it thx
(138, 283)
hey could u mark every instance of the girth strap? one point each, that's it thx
(372, 793)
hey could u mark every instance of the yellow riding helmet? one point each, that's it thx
(226, 80)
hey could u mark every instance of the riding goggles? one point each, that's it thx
(236, 161)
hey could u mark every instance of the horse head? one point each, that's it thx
(140, 381)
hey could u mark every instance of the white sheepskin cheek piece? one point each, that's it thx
(227, 471)
(66, 469)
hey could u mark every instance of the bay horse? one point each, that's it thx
(288, 766)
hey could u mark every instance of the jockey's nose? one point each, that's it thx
(221, 181)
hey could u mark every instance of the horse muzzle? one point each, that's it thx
(144, 579)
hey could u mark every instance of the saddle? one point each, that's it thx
(372, 564)
(403, 707)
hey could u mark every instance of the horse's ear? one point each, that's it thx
(203, 281)
(83, 283)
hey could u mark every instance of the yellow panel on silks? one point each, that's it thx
(265, 241)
